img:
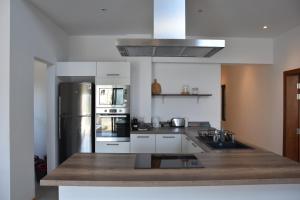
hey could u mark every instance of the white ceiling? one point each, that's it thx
(228, 18)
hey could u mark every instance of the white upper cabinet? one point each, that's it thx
(76, 69)
(113, 73)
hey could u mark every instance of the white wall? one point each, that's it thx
(248, 104)
(286, 57)
(40, 108)
(238, 50)
(140, 96)
(268, 83)
(32, 35)
(102, 48)
(4, 100)
(172, 76)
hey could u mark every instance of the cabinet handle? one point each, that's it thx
(194, 145)
(168, 137)
(298, 131)
(112, 144)
(142, 137)
(112, 74)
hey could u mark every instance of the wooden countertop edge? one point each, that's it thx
(170, 183)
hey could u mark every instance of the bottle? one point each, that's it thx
(156, 88)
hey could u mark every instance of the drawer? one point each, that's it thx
(142, 143)
(112, 147)
(168, 143)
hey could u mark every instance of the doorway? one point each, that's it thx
(40, 87)
(291, 132)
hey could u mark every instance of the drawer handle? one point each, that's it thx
(142, 137)
(112, 144)
(169, 137)
(194, 145)
(112, 74)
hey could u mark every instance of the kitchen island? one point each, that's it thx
(230, 174)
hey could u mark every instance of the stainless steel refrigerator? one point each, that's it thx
(76, 130)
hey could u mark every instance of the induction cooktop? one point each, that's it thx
(166, 161)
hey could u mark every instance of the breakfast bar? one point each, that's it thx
(230, 174)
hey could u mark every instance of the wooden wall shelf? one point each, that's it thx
(181, 95)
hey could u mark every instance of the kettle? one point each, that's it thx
(155, 122)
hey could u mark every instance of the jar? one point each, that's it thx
(185, 90)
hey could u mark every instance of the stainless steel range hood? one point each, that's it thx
(169, 36)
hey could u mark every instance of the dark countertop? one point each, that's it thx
(163, 130)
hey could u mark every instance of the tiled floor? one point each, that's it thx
(46, 193)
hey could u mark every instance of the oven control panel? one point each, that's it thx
(112, 110)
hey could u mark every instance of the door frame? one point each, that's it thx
(285, 75)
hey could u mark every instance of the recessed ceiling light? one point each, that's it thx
(102, 10)
(265, 27)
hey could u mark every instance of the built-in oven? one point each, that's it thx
(112, 125)
(112, 96)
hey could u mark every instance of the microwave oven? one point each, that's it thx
(112, 96)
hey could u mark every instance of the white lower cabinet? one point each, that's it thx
(112, 147)
(142, 143)
(168, 143)
(151, 143)
(189, 146)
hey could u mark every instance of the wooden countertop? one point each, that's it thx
(221, 168)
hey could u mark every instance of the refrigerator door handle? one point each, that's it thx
(59, 121)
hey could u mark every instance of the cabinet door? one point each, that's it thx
(298, 129)
(113, 73)
(189, 146)
(112, 147)
(76, 69)
(142, 143)
(112, 81)
(194, 148)
(168, 143)
(291, 141)
(184, 144)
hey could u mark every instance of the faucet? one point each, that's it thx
(222, 136)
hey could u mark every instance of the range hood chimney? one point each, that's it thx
(169, 36)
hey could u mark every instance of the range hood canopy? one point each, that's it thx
(169, 36)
